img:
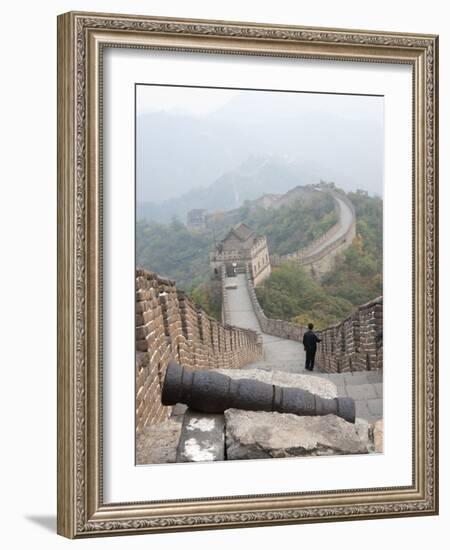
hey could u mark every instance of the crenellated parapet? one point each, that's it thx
(354, 344)
(169, 325)
(319, 256)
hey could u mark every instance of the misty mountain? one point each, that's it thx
(249, 181)
(173, 250)
(182, 153)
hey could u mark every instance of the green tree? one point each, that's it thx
(291, 294)
(357, 276)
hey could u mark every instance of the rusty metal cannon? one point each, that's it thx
(212, 392)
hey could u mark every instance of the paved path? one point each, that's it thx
(279, 353)
(288, 355)
(346, 216)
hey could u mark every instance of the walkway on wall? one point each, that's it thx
(346, 219)
(288, 355)
(279, 353)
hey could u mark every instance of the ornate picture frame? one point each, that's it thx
(82, 39)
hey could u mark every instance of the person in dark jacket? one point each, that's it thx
(310, 340)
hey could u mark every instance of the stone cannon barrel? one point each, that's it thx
(212, 392)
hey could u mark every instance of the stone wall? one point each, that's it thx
(304, 253)
(170, 325)
(355, 344)
(260, 262)
(319, 263)
(223, 274)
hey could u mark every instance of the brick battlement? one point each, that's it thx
(354, 344)
(169, 325)
(316, 258)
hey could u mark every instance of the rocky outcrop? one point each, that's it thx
(253, 435)
(240, 435)
(378, 435)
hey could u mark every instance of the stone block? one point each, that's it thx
(139, 319)
(202, 438)
(363, 429)
(142, 359)
(252, 435)
(142, 345)
(141, 307)
(378, 435)
(141, 332)
(142, 295)
(158, 443)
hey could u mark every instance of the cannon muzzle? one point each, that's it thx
(212, 392)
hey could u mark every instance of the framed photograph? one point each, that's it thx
(247, 282)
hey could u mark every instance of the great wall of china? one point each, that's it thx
(170, 325)
(354, 344)
(318, 257)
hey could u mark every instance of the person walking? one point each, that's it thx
(310, 340)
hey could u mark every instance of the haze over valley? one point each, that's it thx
(255, 143)
(227, 156)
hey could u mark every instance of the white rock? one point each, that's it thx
(378, 434)
(363, 430)
(250, 435)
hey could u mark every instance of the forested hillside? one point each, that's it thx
(356, 278)
(292, 226)
(290, 293)
(174, 251)
(254, 177)
(358, 274)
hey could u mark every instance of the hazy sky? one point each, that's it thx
(203, 101)
(188, 137)
(195, 101)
